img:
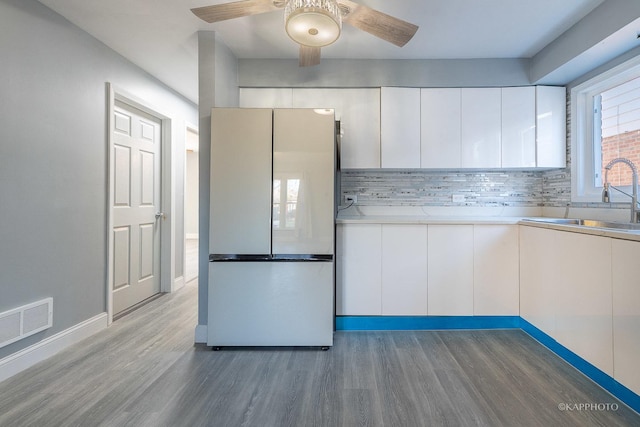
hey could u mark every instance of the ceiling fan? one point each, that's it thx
(315, 23)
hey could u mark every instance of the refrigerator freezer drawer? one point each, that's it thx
(270, 304)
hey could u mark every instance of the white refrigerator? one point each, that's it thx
(272, 228)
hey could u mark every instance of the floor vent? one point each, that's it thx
(20, 322)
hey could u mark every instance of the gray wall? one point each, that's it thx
(53, 160)
(218, 87)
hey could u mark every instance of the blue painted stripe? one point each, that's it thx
(408, 323)
(599, 377)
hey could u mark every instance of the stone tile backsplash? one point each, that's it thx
(376, 187)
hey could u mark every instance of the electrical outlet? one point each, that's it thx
(351, 198)
(457, 198)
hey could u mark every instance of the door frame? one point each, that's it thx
(167, 247)
(189, 127)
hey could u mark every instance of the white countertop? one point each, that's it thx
(409, 219)
(468, 216)
(434, 215)
(594, 231)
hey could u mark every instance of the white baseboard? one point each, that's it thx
(201, 334)
(23, 359)
(178, 283)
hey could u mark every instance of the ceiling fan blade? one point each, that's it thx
(237, 9)
(309, 56)
(379, 24)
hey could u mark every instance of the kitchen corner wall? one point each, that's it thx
(549, 189)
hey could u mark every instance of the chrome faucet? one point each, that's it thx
(635, 212)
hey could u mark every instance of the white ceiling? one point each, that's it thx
(160, 36)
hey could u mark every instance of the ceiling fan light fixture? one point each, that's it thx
(313, 23)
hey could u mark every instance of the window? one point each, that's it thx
(605, 125)
(617, 132)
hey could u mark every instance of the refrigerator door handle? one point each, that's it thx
(270, 258)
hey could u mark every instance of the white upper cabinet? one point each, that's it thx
(481, 127)
(440, 128)
(519, 127)
(437, 128)
(551, 122)
(400, 127)
(358, 111)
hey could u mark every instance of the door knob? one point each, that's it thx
(160, 215)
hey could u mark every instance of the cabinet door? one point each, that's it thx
(404, 270)
(450, 270)
(481, 127)
(400, 127)
(551, 125)
(359, 113)
(518, 127)
(266, 98)
(626, 313)
(583, 295)
(496, 281)
(236, 214)
(538, 270)
(358, 273)
(440, 115)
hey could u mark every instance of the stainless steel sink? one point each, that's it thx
(592, 223)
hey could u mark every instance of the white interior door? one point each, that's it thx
(136, 203)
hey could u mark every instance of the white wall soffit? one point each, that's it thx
(608, 31)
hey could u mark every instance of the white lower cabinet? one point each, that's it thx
(404, 269)
(450, 270)
(565, 291)
(496, 290)
(358, 272)
(419, 269)
(538, 265)
(626, 313)
(583, 292)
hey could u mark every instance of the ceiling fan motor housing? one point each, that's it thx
(313, 23)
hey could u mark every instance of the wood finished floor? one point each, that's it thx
(191, 260)
(145, 371)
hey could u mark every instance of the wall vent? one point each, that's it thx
(21, 322)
